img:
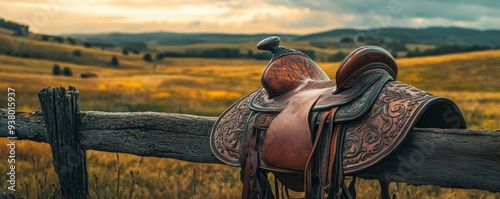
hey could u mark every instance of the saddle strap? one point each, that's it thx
(384, 190)
(325, 161)
(331, 162)
(249, 168)
(335, 176)
(309, 166)
(352, 187)
(330, 170)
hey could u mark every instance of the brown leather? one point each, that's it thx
(358, 61)
(281, 77)
(308, 169)
(249, 170)
(333, 160)
(329, 153)
(286, 119)
(291, 123)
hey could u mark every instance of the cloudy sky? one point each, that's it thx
(245, 16)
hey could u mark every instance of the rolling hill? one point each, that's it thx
(169, 38)
(430, 36)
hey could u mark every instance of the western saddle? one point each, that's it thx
(310, 131)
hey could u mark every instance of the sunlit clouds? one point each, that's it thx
(242, 16)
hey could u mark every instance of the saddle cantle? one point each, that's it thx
(309, 130)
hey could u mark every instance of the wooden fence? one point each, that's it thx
(453, 158)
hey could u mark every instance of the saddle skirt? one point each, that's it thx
(399, 108)
(377, 112)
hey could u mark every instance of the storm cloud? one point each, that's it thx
(481, 14)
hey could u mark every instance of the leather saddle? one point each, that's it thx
(310, 131)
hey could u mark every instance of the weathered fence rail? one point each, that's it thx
(446, 158)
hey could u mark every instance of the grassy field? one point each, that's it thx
(205, 87)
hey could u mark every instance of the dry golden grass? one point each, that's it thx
(207, 87)
(421, 47)
(481, 109)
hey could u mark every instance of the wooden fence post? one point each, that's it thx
(60, 109)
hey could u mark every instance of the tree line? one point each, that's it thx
(18, 29)
(447, 49)
(222, 53)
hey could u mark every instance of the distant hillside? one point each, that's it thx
(17, 28)
(61, 50)
(432, 36)
(325, 46)
(168, 38)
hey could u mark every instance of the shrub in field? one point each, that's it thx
(114, 61)
(56, 70)
(339, 56)
(67, 71)
(71, 41)
(347, 40)
(147, 57)
(45, 38)
(58, 39)
(77, 53)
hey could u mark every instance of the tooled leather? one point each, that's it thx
(229, 132)
(384, 127)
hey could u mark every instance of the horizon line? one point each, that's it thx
(278, 33)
